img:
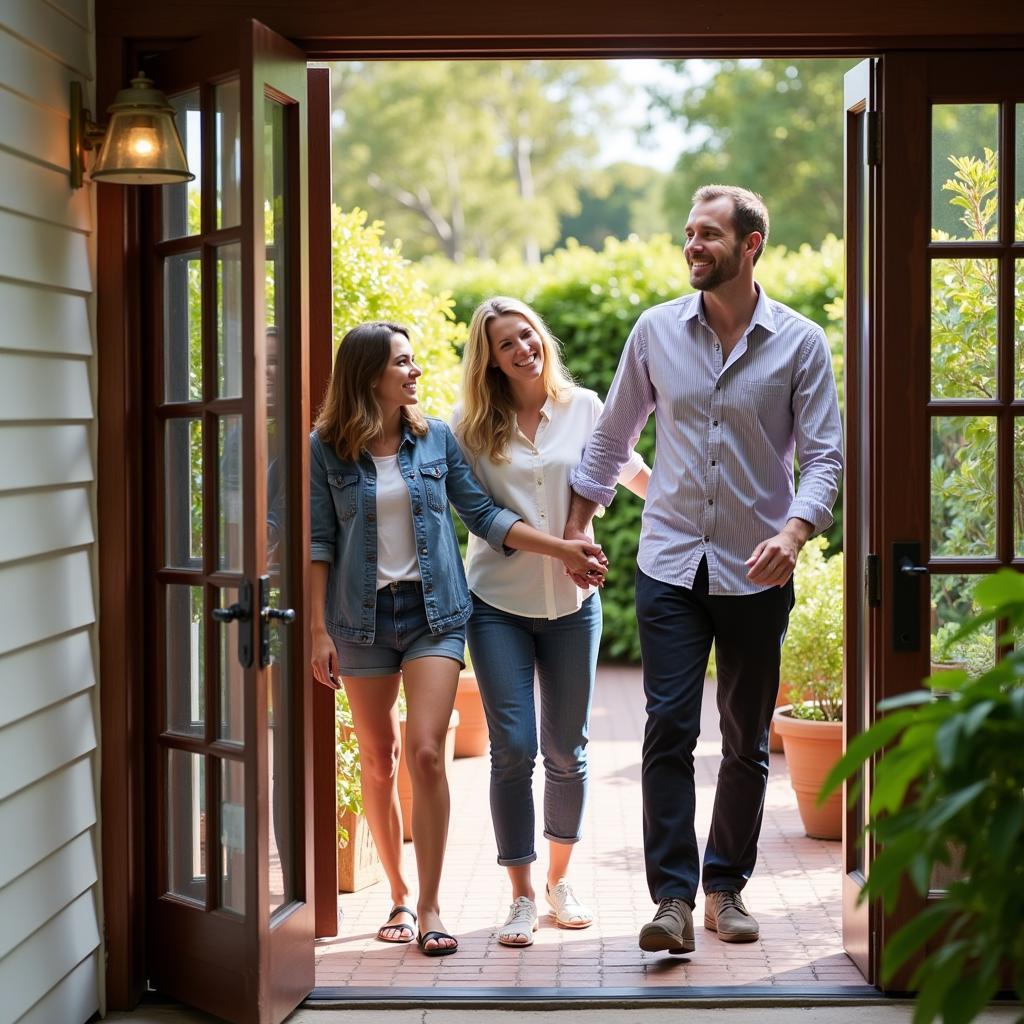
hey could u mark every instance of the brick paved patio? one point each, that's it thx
(795, 892)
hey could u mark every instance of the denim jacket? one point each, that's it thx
(343, 502)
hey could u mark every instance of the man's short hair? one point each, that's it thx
(748, 210)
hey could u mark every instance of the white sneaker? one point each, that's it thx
(520, 924)
(568, 911)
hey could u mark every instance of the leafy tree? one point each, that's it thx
(468, 157)
(615, 204)
(774, 126)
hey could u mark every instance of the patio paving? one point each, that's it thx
(795, 892)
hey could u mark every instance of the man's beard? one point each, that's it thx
(721, 273)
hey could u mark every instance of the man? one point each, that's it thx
(736, 381)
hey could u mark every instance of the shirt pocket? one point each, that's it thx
(345, 492)
(762, 395)
(435, 486)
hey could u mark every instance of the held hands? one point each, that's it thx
(325, 660)
(584, 560)
(772, 562)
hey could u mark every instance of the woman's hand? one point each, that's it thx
(585, 561)
(325, 659)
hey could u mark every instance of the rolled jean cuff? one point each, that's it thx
(561, 840)
(514, 862)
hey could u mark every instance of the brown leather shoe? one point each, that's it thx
(725, 913)
(671, 929)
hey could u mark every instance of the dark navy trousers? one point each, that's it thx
(677, 627)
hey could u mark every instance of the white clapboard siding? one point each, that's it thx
(36, 388)
(35, 746)
(33, 129)
(44, 521)
(41, 456)
(79, 11)
(50, 31)
(42, 191)
(44, 817)
(27, 70)
(29, 972)
(43, 254)
(73, 999)
(33, 678)
(44, 890)
(50, 322)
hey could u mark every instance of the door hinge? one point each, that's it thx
(873, 142)
(872, 581)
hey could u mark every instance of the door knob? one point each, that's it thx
(285, 615)
(229, 614)
(908, 568)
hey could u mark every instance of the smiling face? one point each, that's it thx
(396, 386)
(714, 252)
(515, 348)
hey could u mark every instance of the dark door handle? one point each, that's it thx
(906, 595)
(285, 615)
(908, 568)
(240, 612)
(269, 614)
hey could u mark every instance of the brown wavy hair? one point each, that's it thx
(350, 416)
(488, 419)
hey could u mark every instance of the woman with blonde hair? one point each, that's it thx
(389, 596)
(523, 425)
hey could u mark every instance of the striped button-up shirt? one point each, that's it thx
(727, 429)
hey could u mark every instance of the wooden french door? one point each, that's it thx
(230, 921)
(935, 385)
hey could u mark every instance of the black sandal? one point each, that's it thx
(398, 908)
(437, 950)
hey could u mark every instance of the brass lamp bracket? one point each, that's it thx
(84, 134)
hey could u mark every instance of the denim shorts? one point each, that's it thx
(401, 634)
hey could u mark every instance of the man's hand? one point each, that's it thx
(772, 562)
(584, 580)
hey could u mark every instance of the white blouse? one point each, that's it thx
(396, 540)
(535, 483)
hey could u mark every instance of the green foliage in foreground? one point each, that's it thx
(590, 299)
(949, 790)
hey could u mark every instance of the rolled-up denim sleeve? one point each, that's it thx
(627, 408)
(474, 505)
(323, 526)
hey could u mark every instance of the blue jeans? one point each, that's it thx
(506, 649)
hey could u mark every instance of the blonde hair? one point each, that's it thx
(488, 419)
(350, 416)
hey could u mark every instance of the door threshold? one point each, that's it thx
(353, 997)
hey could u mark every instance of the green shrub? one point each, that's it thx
(590, 300)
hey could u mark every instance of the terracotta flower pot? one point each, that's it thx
(358, 863)
(812, 748)
(471, 738)
(405, 780)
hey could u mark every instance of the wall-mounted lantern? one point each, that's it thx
(139, 146)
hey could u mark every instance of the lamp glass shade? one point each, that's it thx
(142, 147)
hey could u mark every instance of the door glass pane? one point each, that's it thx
(964, 171)
(229, 321)
(228, 129)
(279, 717)
(1018, 487)
(1018, 324)
(181, 203)
(186, 825)
(185, 662)
(183, 328)
(232, 676)
(229, 505)
(232, 836)
(963, 328)
(183, 493)
(963, 486)
(952, 604)
(1018, 209)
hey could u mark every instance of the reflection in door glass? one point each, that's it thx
(963, 486)
(231, 675)
(186, 825)
(181, 203)
(183, 327)
(1018, 325)
(964, 171)
(963, 328)
(952, 603)
(229, 504)
(1018, 208)
(184, 660)
(232, 836)
(229, 321)
(183, 493)
(227, 120)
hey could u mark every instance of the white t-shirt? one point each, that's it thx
(535, 483)
(396, 542)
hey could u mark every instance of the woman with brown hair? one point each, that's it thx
(389, 596)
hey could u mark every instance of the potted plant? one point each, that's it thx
(358, 863)
(471, 740)
(948, 799)
(811, 726)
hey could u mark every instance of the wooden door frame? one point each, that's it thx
(126, 28)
